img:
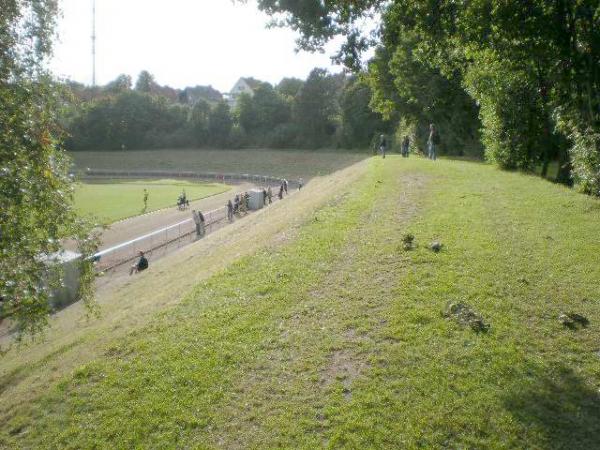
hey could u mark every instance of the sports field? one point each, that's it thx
(112, 200)
(288, 164)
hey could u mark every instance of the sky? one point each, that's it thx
(181, 42)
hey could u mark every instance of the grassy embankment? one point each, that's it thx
(336, 338)
(284, 163)
(112, 200)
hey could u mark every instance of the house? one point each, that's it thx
(245, 85)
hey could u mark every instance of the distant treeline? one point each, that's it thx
(325, 111)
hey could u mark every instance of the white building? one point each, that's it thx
(244, 85)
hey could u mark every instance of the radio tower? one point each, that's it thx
(93, 43)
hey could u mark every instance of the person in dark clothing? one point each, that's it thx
(140, 265)
(229, 210)
(270, 194)
(280, 195)
(433, 142)
(236, 204)
(405, 146)
(202, 223)
(382, 145)
(264, 197)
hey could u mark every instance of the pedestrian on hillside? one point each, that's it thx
(236, 204)
(300, 183)
(264, 197)
(202, 224)
(196, 218)
(145, 199)
(433, 142)
(229, 210)
(382, 145)
(280, 195)
(285, 186)
(405, 146)
(140, 265)
(270, 194)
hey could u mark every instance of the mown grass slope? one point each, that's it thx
(278, 163)
(112, 200)
(336, 338)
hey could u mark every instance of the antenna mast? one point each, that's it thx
(94, 43)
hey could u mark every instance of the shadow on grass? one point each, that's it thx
(560, 406)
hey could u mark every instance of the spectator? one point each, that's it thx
(270, 194)
(300, 183)
(405, 146)
(199, 221)
(433, 142)
(382, 145)
(145, 199)
(229, 210)
(285, 185)
(140, 265)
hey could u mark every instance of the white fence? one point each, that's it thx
(178, 234)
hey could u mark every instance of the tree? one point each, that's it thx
(289, 87)
(145, 82)
(120, 84)
(219, 124)
(263, 111)
(316, 108)
(199, 118)
(36, 212)
(545, 55)
(359, 122)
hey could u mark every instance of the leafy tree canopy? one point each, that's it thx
(36, 214)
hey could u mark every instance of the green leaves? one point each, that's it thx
(36, 215)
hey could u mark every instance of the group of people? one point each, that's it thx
(240, 204)
(433, 141)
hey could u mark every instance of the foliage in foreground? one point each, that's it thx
(339, 339)
(35, 191)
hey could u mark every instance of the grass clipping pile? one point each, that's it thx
(465, 316)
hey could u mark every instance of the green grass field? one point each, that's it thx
(112, 200)
(283, 163)
(335, 338)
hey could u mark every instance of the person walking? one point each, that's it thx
(405, 146)
(300, 183)
(280, 195)
(382, 145)
(229, 210)
(202, 224)
(270, 194)
(285, 186)
(433, 142)
(145, 199)
(196, 218)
